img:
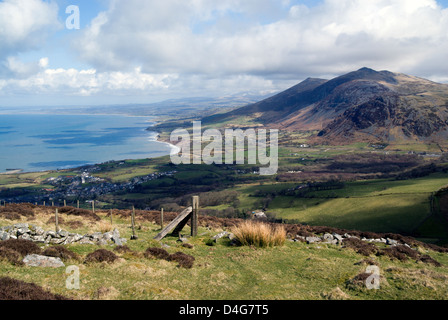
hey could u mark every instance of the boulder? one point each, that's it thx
(63, 233)
(327, 237)
(116, 237)
(338, 237)
(35, 260)
(4, 236)
(220, 235)
(310, 240)
(391, 242)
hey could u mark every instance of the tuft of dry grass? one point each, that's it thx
(262, 235)
(104, 226)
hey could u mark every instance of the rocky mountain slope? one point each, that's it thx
(361, 106)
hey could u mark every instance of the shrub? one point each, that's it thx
(11, 289)
(361, 247)
(79, 212)
(122, 249)
(401, 253)
(184, 260)
(101, 255)
(259, 234)
(22, 247)
(156, 253)
(16, 211)
(427, 259)
(60, 252)
(11, 256)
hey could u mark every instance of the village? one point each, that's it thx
(82, 186)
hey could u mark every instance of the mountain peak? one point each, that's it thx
(363, 105)
(365, 69)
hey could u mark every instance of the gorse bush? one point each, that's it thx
(262, 235)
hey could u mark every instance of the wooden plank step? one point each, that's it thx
(181, 219)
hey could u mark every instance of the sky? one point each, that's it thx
(144, 51)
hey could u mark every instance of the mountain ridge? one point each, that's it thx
(360, 106)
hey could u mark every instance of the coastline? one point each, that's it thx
(154, 136)
(173, 148)
(11, 172)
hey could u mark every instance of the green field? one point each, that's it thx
(295, 271)
(373, 205)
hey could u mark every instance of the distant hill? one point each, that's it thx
(361, 106)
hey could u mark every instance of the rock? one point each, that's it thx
(183, 240)
(327, 237)
(21, 226)
(260, 215)
(35, 260)
(96, 236)
(51, 234)
(22, 231)
(36, 231)
(85, 240)
(63, 234)
(72, 238)
(391, 242)
(102, 242)
(25, 236)
(4, 236)
(338, 237)
(220, 235)
(116, 238)
(38, 239)
(310, 240)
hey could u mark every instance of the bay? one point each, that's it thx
(37, 142)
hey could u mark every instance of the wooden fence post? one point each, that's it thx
(93, 206)
(77, 204)
(133, 237)
(194, 217)
(52, 203)
(161, 218)
(56, 220)
(111, 222)
(65, 203)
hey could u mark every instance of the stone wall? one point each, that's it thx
(36, 234)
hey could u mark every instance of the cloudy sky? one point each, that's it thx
(139, 51)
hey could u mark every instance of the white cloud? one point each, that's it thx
(203, 47)
(24, 24)
(72, 82)
(333, 37)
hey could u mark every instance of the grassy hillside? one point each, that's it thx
(294, 271)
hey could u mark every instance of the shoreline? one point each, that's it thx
(154, 136)
(12, 172)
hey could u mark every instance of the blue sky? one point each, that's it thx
(141, 51)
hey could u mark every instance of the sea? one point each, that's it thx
(39, 142)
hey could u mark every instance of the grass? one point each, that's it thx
(374, 205)
(292, 271)
(260, 235)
